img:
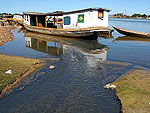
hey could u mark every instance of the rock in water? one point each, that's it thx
(52, 67)
(108, 86)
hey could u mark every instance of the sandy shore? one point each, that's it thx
(5, 34)
(133, 89)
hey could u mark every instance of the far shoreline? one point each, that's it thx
(130, 18)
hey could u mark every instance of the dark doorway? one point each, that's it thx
(33, 20)
(41, 20)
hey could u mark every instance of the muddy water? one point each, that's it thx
(76, 83)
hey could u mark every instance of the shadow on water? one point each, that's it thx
(76, 83)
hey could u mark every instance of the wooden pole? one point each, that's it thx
(36, 21)
(54, 20)
(57, 19)
(45, 21)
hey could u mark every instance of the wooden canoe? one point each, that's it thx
(132, 33)
(87, 34)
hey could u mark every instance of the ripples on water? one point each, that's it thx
(76, 84)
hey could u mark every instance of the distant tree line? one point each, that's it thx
(122, 15)
(5, 14)
(140, 15)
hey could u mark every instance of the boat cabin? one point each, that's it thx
(85, 18)
(49, 20)
(18, 16)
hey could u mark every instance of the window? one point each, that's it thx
(67, 20)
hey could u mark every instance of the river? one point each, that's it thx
(85, 66)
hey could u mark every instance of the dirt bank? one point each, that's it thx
(20, 68)
(133, 89)
(5, 34)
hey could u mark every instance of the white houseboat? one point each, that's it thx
(18, 16)
(85, 23)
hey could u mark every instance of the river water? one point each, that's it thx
(85, 66)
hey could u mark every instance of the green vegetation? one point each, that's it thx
(5, 14)
(139, 15)
(122, 15)
(119, 14)
(18, 65)
(133, 90)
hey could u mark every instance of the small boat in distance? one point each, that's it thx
(132, 33)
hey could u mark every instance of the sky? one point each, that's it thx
(117, 6)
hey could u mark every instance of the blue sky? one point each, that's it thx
(117, 6)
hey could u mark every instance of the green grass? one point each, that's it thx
(133, 90)
(16, 64)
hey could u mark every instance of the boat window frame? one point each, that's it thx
(68, 23)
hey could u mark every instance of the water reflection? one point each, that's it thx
(76, 83)
(130, 38)
(106, 36)
(51, 48)
(55, 45)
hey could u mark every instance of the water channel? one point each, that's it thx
(76, 83)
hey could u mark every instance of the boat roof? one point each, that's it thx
(18, 14)
(43, 14)
(61, 13)
(87, 9)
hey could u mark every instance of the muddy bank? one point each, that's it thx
(133, 89)
(5, 34)
(20, 68)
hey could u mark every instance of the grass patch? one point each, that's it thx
(18, 65)
(133, 89)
